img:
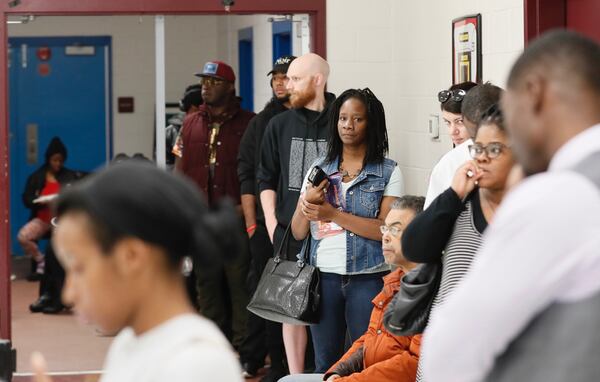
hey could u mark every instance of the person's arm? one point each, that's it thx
(343, 366)
(247, 175)
(401, 367)
(439, 180)
(314, 194)
(179, 159)
(268, 177)
(268, 199)
(529, 259)
(364, 227)
(29, 194)
(425, 238)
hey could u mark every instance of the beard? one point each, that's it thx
(300, 99)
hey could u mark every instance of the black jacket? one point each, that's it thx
(37, 180)
(425, 238)
(250, 149)
(171, 134)
(292, 142)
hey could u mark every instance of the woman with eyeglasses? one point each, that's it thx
(460, 215)
(342, 215)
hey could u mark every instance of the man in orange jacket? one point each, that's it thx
(379, 356)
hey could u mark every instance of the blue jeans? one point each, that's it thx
(345, 306)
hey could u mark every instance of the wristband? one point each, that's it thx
(251, 228)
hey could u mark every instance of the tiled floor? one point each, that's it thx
(68, 346)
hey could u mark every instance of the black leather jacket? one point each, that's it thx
(36, 182)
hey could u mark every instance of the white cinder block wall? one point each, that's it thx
(402, 51)
(189, 40)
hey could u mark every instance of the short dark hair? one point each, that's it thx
(453, 106)
(377, 138)
(575, 57)
(410, 202)
(191, 97)
(136, 199)
(479, 99)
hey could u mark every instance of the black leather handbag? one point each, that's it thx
(288, 291)
(408, 312)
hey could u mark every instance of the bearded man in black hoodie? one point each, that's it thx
(262, 336)
(293, 140)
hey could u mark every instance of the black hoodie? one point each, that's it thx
(250, 151)
(292, 142)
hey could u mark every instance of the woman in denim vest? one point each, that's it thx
(342, 215)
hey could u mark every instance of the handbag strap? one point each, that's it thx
(285, 244)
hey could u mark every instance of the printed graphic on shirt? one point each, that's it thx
(310, 151)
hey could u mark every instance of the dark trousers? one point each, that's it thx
(54, 277)
(345, 307)
(262, 336)
(223, 295)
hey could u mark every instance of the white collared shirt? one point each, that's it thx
(443, 172)
(542, 248)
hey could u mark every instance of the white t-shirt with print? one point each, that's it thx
(331, 252)
(187, 348)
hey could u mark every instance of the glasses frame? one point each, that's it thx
(455, 95)
(486, 150)
(384, 229)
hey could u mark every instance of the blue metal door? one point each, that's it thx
(246, 68)
(58, 86)
(282, 39)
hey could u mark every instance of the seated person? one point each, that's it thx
(379, 355)
(41, 186)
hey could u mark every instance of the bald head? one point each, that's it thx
(310, 64)
(308, 76)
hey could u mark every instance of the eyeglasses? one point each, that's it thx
(393, 230)
(493, 150)
(210, 81)
(455, 95)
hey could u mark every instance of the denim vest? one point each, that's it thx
(363, 199)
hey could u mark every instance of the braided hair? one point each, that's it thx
(377, 137)
(493, 116)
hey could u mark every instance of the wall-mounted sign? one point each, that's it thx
(80, 50)
(125, 104)
(466, 49)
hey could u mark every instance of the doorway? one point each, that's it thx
(246, 67)
(58, 86)
(282, 39)
(315, 10)
(578, 15)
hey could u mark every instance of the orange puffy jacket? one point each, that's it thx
(385, 357)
